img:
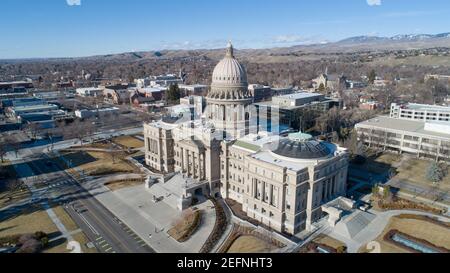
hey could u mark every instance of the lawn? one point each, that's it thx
(65, 218)
(414, 170)
(129, 142)
(28, 222)
(331, 242)
(60, 246)
(250, 244)
(81, 238)
(117, 185)
(405, 167)
(8, 197)
(104, 163)
(186, 226)
(38, 220)
(416, 227)
(380, 164)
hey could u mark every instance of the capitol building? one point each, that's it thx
(282, 182)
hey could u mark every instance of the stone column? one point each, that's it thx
(186, 162)
(199, 167)
(325, 190)
(271, 194)
(262, 190)
(224, 113)
(192, 165)
(182, 159)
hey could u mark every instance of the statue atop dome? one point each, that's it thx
(230, 50)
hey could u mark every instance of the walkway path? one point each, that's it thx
(376, 227)
(26, 152)
(36, 194)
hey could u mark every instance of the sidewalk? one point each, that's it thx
(36, 193)
(375, 228)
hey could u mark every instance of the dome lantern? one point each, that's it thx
(230, 53)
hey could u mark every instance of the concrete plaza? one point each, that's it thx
(150, 220)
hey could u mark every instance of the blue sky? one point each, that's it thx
(66, 28)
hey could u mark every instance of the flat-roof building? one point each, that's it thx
(423, 139)
(290, 108)
(89, 91)
(421, 112)
(101, 112)
(260, 92)
(10, 86)
(193, 89)
(17, 111)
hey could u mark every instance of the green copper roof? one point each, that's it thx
(247, 145)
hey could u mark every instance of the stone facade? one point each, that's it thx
(284, 193)
(281, 182)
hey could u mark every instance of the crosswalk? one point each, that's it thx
(103, 245)
(58, 184)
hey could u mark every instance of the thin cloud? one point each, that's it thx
(374, 2)
(73, 2)
(297, 40)
(289, 39)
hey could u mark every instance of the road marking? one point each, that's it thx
(102, 242)
(99, 238)
(143, 244)
(88, 224)
(108, 249)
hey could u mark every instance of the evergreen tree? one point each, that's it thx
(173, 94)
(321, 88)
(434, 172)
(372, 76)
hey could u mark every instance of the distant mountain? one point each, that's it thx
(278, 54)
(398, 38)
(362, 39)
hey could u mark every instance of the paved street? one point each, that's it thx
(98, 223)
(27, 152)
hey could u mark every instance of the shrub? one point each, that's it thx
(9, 240)
(435, 173)
(25, 238)
(40, 234)
(341, 249)
(30, 246)
(218, 230)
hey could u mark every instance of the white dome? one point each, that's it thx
(229, 70)
(229, 79)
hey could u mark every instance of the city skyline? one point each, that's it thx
(75, 28)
